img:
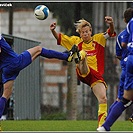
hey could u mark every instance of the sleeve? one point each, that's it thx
(67, 41)
(130, 30)
(100, 39)
(107, 34)
(118, 47)
(125, 36)
(110, 34)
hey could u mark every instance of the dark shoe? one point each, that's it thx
(77, 56)
(71, 53)
(131, 118)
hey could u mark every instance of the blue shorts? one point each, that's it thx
(121, 85)
(11, 71)
(129, 73)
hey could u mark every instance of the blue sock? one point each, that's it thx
(54, 54)
(113, 115)
(112, 105)
(2, 105)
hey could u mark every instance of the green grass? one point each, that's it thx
(60, 125)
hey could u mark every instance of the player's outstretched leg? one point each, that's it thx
(68, 56)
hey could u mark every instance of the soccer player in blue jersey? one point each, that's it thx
(121, 54)
(12, 63)
(126, 101)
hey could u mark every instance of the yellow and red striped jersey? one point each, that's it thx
(94, 49)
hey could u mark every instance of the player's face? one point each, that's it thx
(85, 33)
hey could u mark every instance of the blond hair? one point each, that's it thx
(80, 24)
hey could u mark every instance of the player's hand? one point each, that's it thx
(53, 26)
(108, 19)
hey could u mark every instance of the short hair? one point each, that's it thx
(128, 14)
(80, 24)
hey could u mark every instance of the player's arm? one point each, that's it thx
(118, 47)
(125, 38)
(118, 52)
(52, 28)
(62, 39)
(111, 30)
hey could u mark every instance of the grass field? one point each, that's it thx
(60, 125)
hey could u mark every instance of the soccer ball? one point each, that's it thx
(41, 12)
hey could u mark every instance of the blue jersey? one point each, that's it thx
(123, 52)
(120, 51)
(7, 55)
(129, 35)
(12, 63)
(129, 65)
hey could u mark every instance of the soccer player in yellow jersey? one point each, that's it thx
(90, 68)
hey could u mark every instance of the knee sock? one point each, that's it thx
(82, 54)
(110, 108)
(54, 54)
(102, 114)
(113, 115)
(2, 105)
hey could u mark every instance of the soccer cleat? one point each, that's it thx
(77, 55)
(71, 53)
(131, 118)
(101, 129)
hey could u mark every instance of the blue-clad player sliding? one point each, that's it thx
(12, 63)
(126, 101)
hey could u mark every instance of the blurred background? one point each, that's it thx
(44, 89)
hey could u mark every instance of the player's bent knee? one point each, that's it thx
(126, 102)
(103, 100)
(39, 48)
(83, 68)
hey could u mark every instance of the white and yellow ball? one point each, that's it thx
(41, 12)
